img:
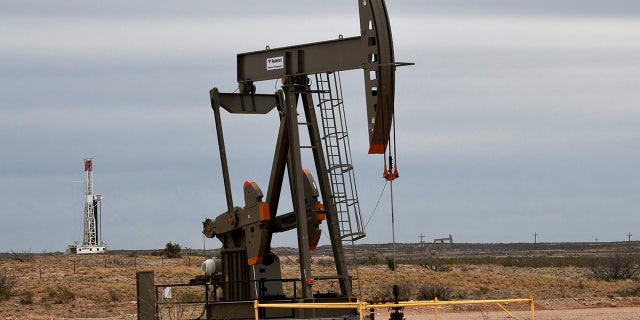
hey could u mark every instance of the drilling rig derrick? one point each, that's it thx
(91, 242)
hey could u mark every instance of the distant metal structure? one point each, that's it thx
(92, 217)
(421, 236)
(443, 241)
(448, 239)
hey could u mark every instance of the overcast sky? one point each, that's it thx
(517, 118)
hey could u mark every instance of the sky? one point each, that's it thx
(517, 118)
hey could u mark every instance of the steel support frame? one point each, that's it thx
(297, 189)
(288, 155)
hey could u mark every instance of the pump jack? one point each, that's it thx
(249, 269)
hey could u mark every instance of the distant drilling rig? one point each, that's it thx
(92, 217)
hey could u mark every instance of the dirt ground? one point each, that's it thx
(593, 313)
(604, 313)
(553, 309)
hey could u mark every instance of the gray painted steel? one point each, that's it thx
(146, 293)
(318, 57)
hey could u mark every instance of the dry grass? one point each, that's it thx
(100, 286)
(490, 282)
(103, 286)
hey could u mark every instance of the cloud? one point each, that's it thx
(518, 114)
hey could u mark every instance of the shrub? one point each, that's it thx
(435, 263)
(483, 290)
(629, 292)
(113, 295)
(6, 287)
(22, 256)
(391, 264)
(326, 262)
(372, 259)
(190, 296)
(613, 268)
(60, 294)
(26, 297)
(527, 261)
(172, 250)
(431, 292)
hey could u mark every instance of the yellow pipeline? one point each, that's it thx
(361, 306)
(344, 305)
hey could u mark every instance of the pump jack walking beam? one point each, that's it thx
(372, 51)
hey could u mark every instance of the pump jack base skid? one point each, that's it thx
(245, 310)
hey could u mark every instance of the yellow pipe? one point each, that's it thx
(255, 308)
(435, 300)
(505, 310)
(533, 313)
(442, 303)
(348, 305)
(360, 306)
(354, 305)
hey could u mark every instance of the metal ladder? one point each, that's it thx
(338, 153)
